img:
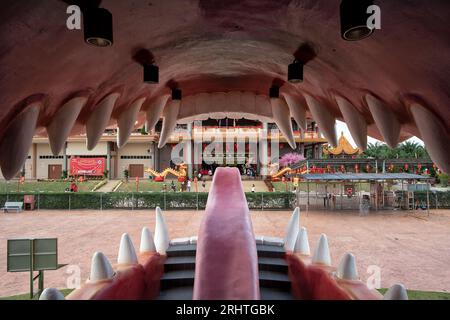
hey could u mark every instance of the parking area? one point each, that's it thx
(411, 249)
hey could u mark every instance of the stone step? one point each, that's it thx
(273, 264)
(177, 293)
(182, 250)
(270, 251)
(177, 278)
(179, 263)
(186, 293)
(188, 263)
(275, 294)
(270, 279)
(191, 250)
(267, 279)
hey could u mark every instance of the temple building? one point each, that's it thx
(142, 152)
(344, 149)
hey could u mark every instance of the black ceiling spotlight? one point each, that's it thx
(295, 72)
(151, 73)
(98, 27)
(176, 94)
(354, 18)
(274, 92)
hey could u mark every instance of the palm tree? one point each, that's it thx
(405, 150)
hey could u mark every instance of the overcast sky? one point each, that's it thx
(342, 127)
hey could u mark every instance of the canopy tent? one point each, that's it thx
(363, 176)
(377, 195)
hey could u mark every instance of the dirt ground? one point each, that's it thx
(410, 249)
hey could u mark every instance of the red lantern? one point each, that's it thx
(391, 167)
(406, 167)
(419, 166)
(342, 168)
(368, 168)
(356, 168)
(328, 168)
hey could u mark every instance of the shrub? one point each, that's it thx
(146, 200)
(444, 179)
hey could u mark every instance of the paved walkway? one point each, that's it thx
(109, 186)
(411, 250)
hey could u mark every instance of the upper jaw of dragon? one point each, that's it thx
(17, 136)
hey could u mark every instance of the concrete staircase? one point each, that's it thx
(177, 282)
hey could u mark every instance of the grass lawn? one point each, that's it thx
(147, 185)
(424, 295)
(45, 186)
(26, 296)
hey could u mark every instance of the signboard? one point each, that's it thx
(349, 190)
(41, 253)
(87, 166)
(18, 255)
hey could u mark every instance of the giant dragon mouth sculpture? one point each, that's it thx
(224, 58)
(225, 262)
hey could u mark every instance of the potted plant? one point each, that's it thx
(126, 174)
(105, 174)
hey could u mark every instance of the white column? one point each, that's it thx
(189, 150)
(263, 151)
(108, 158)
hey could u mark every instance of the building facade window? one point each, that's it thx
(135, 157)
(51, 157)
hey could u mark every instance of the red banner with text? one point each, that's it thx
(87, 166)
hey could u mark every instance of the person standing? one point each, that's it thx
(253, 188)
(189, 185)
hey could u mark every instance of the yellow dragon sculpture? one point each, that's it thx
(180, 173)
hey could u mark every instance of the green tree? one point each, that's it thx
(405, 150)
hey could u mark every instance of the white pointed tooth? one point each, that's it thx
(101, 268)
(51, 294)
(434, 134)
(282, 117)
(17, 140)
(126, 122)
(292, 230)
(162, 239)
(355, 121)
(147, 242)
(170, 116)
(396, 292)
(62, 123)
(298, 110)
(302, 243)
(98, 120)
(127, 253)
(347, 268)
(385, 120)
(155, 111)
(324, 119)
(322, 253)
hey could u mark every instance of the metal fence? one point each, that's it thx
(145, 200)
